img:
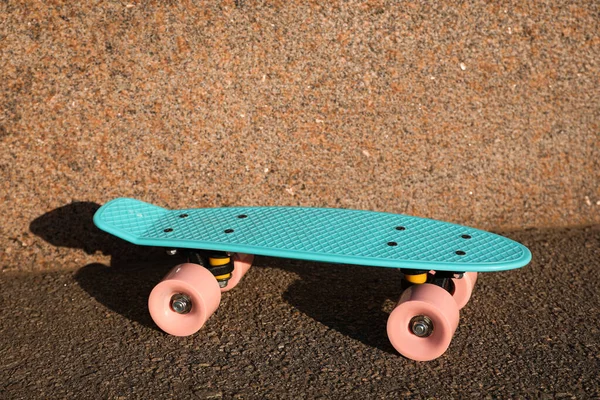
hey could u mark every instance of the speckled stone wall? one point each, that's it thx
(482, 113)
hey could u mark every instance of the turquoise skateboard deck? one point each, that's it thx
(318, 234)
(439, 260)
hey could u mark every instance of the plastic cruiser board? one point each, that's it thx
(439, 260)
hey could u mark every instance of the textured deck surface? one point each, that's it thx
(330, 235)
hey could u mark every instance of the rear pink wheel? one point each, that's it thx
(463, 288)
(184, 300)
(473, 278)
(423, 323)
(241, 264)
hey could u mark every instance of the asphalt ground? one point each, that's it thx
(296, 329)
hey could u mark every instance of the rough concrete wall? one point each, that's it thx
(481, 114)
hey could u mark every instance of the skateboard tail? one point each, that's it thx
(127, 218)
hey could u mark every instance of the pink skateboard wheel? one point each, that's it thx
(184, 300)
(473, 277)
(241, 265)
(463, 288)
(423, 323)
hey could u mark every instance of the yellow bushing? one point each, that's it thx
(216, 262)
(416, 279)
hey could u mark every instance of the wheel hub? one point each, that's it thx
(421, 326)
(181, 303)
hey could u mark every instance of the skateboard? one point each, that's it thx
(439, 261)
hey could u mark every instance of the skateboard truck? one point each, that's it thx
(443, 279)
(219, 264)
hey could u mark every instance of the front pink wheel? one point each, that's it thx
(184, 300)
(241, 265)
(423, 323)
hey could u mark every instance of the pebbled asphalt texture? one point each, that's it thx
(295, 329)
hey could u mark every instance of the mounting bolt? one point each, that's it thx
(223, 283)
(181, 303)
(421, 326)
